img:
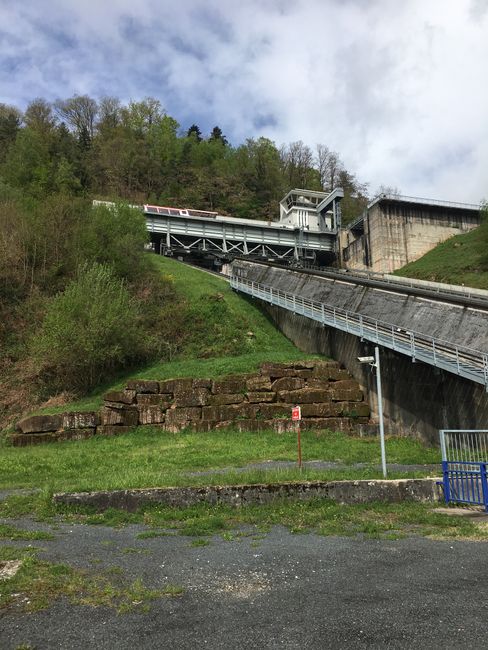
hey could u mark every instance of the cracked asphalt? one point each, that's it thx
(272, 590)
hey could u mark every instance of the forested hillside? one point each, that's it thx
(80, 301)
(139, 153)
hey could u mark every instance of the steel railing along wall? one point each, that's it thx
(466, 362)
(437, 289)
(464, 466)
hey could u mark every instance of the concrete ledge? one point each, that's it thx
(236, 495)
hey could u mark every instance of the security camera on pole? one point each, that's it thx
(374, 362)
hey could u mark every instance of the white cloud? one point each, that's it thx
(399, 89)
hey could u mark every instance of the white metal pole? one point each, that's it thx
(380, 409)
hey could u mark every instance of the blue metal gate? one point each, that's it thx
(464, 461)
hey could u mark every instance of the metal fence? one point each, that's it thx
(466, 362)
(464, 462)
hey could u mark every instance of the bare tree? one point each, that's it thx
(297, 160)
(79, 112)
(329, 166)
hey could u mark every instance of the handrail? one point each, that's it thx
(437, 288)
(463, 361)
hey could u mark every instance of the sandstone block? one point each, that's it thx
(345, 383)
(353, 409)
(316, 382)
(123, 396)
(346, 394)
(277, 370)
(82, 420)
(331, 373)
(182, 416)
(163, 400)
(304, 396)
(223, 399)
(288, 383)
(261, 397)
(229, 412)
(23, 440)
(40, 423)
(202, 383)
(193, 397)
(304, 365)
(270, 411)
(176, 386)
(233, 384)
(143, 385)
(327, 424)
(127, 417)
(321, 410)
(150, 415)
(258, 383)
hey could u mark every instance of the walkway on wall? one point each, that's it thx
(465, 362)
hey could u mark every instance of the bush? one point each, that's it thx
(115, 235)
(89, 331)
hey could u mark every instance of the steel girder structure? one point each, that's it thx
(227, 237)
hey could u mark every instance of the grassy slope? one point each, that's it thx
(218, 321)
(455, 261)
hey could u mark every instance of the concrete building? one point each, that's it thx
(311, 210)
(395, 230)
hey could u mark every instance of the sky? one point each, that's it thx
(399, 88)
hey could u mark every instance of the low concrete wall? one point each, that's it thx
(237, 495)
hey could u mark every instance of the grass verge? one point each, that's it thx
(150, 457)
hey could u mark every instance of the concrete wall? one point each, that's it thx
(418, 399)
(397, 232)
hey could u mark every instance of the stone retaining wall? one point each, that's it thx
(328, 395)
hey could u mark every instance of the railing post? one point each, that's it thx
(412, 345)
(484, 485)
(445, 481)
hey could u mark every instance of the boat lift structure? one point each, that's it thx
(307, 230)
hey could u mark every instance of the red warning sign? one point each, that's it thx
(296, 413)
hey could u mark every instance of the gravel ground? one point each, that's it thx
(281, 591)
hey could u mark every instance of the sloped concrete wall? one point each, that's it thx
(397, 232)
(418, 399)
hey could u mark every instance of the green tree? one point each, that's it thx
(114, 236)
(89, 331)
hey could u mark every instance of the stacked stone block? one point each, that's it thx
(327, 394)
(329, 399)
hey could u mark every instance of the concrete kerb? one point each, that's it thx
(344, 492)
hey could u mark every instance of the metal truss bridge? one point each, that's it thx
(465, 362)
(227, 237)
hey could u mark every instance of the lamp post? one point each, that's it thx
(374, 362)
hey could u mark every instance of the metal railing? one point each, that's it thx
(438, 288)
(392, 196)
(465, 362)
(464, 463)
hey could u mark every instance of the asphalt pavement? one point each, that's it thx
(279, 591)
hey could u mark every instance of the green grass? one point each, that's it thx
(38, 583)
(322, 516)
(226, 334)
(462, 259)
(151, 457)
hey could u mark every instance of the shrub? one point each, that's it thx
(89, 331)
